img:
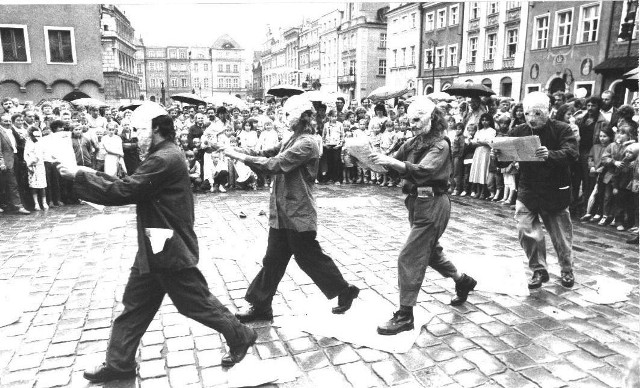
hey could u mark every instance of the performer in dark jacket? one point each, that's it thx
(167, 251)
(545, 191)
(425, 164)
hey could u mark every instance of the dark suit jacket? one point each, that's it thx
(6, 150)
(161, 189)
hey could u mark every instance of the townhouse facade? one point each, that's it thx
(309, 54)
(328, 35)
(402, 44)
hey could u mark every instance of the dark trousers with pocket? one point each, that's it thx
(142, 298)
(306, 250)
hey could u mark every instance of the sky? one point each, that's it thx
(199, 24)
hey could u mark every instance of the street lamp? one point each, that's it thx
(431, 61)
(626, 28)
(162, 92)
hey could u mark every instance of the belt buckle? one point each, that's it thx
(425, 192)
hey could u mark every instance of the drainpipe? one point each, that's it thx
(420, 51)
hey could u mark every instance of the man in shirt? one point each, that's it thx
(8, 160)
(607, 109)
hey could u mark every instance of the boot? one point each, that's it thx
(464, 285)
(402, 321)
(255, 314)
(345, 299)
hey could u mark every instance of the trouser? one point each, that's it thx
(532, 239)
(608, 201)
(428, 218)
(334, 165)
(625, 208)
(53, 183)
(282, 243)
(458, 174)
(142, 298)
(465, 179)
(221, 178)
(21, 172)
(9, 186)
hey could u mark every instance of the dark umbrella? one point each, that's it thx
(75, 95)
(189, 98)
(469, 90)
(285, 91)
(131, 106)
(387, 92)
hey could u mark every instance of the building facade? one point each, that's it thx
(118, 56)
(361, 65)
(200, 70)
(402, 41)
(493, 45)
(565, 43)
(49, 51)
(227, 59)
(309, 54)
(441, 46)
(328, 37)
(291, 43)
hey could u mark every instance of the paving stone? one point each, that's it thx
(485, 362)
(471, 330)
(95, 335)
(151, 352)
(371, 355)
(516, 360)
(57, 362)
(415, 359)
(433, 377)
(440, 353)
(359, 375)
(510, 379)
(329, 377)
(609, 375)
(158, 382)
(54, 378)
(183, 375)
(497, 328)
(315, 359)
(211, 341)
(589, 382)
(555, 344)
(491, 344)
(301, 345)
(596, 349)
(543, 378)
(26, 362)
(585, 360)
(152, 338)
(565, 371)
(455, 365)
(471, 378)
(273, 349)
(538, 353)
(209, 358)
(458, 343)
(440, 329)
(391, 372)
(180, 358)
(515, 340)
(152, 368)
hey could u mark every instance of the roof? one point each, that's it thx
(617, 63)
(225, 42)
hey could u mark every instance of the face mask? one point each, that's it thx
(144, 142)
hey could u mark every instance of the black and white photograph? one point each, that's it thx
(318, 194)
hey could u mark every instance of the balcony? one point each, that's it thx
(507, 63)
(346, 80)
(487, 65)
(471, 66)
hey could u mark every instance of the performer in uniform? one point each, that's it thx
(425, 164)
(161, 189)
(293, 217)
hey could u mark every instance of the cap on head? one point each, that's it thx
(421, 105)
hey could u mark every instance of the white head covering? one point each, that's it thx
(580, 93)
(421, 106)
(295, 106)
(536, 100)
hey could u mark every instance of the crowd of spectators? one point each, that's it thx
(604, 178)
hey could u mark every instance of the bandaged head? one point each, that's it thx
(295, 107)
(536, 109)
(420, 112)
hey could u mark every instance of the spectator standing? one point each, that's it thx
(332, 140)
(34, 158)
(8, 157)
(479, 174)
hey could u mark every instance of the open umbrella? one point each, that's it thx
(632, 74)
(88, 101)
(76, 94)
(285, 91)
(220, 99)
(469, 90)
(440, 96)
(131, 106)
(147, 111)
(189, 98)
(387, 92)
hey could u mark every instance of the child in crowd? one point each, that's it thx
(267, 139)
(34, 158)
(457, 151)
(248, 138)
(113, 158)
(496, 168)
(219, 173)
(631, 161)
(194, 170)
(479, 174)
(386, 141)
(348, 161)
(595, 205)
(614, 171)
(375, 136)
(467, 157)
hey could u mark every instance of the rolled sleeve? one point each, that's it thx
(300, 152)
(430, 168)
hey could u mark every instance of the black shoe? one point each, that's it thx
(345, 299)
(237, 353)
(464, 285)
(540, 276)
(255, 314)
(567, 279)
(102, 373)
(401, 321)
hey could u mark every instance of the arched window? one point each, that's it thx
(487, 82)
(505, 87)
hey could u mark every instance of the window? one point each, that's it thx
(473, 49)
(60, 45)
(228, 68)
(174, 82)
(404, 56)
(184, 82)
(174, 67)
(206, 83)
(513, 4)
(383, 41)
(623, 19)
(153, 82)
(541, 33)
(442, 18)
(201, 56)
(493, 7)
(533, 88)
(228, 83)
(492, 40)
(453, 55)
(183, 54)
(172, 54)
(139, 68)
(563, 27)
(404, 23)
(430, 24)
(236, 83)
(152, 66)
(235, 68)
(453, 15)
(196, 82)
(440, 58)
(220, 83)
(512, 43)
(589, 16)
(413, 20)
(195, 67)
(474, 11)
(428, 58)
(413, 55)
(206, 67)
(382, 67)
(220, 68)
(160, 66)
(395, 58)
(15, 45)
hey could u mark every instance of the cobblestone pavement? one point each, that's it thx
(75, 263)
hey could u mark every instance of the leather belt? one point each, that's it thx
(425, 192)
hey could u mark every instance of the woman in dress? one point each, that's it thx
(37, 175)
(482, 156)
(114, 153)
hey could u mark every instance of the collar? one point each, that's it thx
(163, 144)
